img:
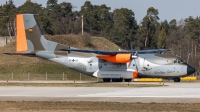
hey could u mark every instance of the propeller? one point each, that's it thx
(133, 57)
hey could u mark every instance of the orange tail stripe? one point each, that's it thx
(21, 35)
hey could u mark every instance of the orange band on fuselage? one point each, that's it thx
(21, 35)
(118, 58)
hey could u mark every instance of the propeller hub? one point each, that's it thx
(134, 57)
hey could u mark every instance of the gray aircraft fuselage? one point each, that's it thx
(148, 65)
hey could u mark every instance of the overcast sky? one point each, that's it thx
(168, 9)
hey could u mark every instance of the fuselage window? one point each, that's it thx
(133, 64)
(90, 64)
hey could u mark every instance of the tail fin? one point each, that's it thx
(30, 37)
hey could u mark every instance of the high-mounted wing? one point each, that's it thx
(102, 52)
(117, 56)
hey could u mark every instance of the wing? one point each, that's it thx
(102, 52)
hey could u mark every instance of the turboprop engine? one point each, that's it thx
(118, 58)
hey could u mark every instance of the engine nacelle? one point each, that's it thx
(118, 58)
(116, 74)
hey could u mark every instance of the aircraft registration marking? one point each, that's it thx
(111, 74)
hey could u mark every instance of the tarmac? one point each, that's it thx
(183, 92)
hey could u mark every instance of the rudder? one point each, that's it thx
(21, 44)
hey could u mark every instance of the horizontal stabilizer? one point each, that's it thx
(21, 53)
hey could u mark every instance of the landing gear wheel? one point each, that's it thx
(177, 79)
(117, 80)
(120, 80)
(106, 79)
(127, 80)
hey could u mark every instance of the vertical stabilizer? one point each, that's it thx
(30, 36)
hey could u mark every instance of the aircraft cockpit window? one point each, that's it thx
(182, 61)
(178, 61)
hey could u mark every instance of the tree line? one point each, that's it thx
(119, 26)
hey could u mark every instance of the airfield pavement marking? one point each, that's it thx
(174, 93)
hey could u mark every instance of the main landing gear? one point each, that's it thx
(127, 80)
(116, 80)
(177, 79)
(106, 79)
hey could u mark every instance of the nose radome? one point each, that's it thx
(190, 70)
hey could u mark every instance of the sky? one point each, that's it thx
(168, 9)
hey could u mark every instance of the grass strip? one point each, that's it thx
(12, 106)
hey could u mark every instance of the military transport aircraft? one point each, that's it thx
(108, 65)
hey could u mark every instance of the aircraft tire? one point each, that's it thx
(117, 80)
(120, 80)
(106, 79)
(177, 79)
(114, 80)
(127, 80)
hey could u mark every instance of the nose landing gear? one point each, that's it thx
(177, 79)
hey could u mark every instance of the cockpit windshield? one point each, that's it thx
(175, 61)
(179, 61)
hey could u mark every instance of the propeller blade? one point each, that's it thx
(129, 64)
(159, 50)
(136, 53)
(131, 48)
(136, 65)
(69, 50)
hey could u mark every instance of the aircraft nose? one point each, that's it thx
(190, 70)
